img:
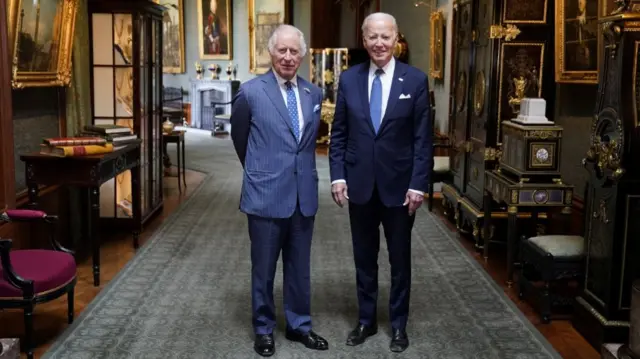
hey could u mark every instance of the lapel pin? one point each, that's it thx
(306, 89)
(400, 79)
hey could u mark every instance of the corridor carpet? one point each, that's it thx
(186, 294)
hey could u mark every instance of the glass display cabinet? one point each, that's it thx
(126, 90)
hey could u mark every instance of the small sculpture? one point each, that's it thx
(229, 70)
(214, 71)
(235, 72)
(199, 71)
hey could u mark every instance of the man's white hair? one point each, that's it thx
(284, 28)
(379, 16)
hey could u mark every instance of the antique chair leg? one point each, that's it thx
(545, 303)
(28, 331)
(70, 305)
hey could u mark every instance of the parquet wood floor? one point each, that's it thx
(50, 318)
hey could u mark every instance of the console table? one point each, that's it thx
(89, 172)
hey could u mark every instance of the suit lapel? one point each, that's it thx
(306, 104)
(394, 94)
(363, 83)
(272, 90)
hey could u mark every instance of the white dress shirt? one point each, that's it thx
(283, 91)
(386, 79)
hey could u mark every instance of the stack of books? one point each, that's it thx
(94, 140)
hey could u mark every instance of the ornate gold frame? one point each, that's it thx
(577, 77)
(436, 45)
(252, 35)
(180, 69)
(229, 56)
(62, 75)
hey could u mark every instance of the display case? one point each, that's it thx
(326, 67)
(126, 90)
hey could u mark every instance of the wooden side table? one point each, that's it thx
(519, 196)
(177, 137)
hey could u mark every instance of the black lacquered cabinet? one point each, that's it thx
(126, 89)
(612, 228)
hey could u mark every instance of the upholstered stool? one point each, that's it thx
(552, 260)
(440, 173)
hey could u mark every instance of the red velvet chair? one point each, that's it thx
(32, 276)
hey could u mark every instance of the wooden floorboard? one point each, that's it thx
(50, 318)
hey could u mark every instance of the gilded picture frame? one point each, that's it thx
(577, 40)
(436, 45)
(41, 35)
(215, 29)
(264, 17)
(173, 56)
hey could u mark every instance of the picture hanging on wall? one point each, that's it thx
(173, 36)
(215, 27)
(264, 17)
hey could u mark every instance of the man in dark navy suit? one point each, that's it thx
(381, 150)
(274, 126)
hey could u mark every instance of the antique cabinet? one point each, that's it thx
(126, 90)
(502, 53)
(612, 228)
(325, 67)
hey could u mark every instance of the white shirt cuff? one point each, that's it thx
(338, 181)
(418, 192)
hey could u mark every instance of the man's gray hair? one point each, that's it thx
(379, 16)
(284, 28)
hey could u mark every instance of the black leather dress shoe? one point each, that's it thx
(399, 341)
(310, 340)
(264, 345)
(360, 333)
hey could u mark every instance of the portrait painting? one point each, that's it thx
(215, 27)
(264, 17)
(577, 40)
(172, 36)
(41, 35)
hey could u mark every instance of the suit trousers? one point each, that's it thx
(365, 232)
(268, 237)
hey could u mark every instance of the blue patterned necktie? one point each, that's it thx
(375, 102)
(292, 105)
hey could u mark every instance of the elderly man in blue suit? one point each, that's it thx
(381, 151)
(274, 125)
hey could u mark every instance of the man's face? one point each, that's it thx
(286, 56)
(213, 6)
(380, 41)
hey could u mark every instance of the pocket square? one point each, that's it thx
(403, 96)
(316, 108)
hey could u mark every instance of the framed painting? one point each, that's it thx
(264, 17)
(215, 26)
(436, 45)
(173, 36)
(576, 40)
(41, 35)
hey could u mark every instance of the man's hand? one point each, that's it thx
(339, 193)
(414, 201)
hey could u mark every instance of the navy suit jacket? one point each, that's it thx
(279, 172)
(400, 156)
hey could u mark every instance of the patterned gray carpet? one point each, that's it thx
(186, 294)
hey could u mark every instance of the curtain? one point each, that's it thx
(78, 98)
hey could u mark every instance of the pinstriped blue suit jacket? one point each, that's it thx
(279, 172)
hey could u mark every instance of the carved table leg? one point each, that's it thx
(94, 232)
(486, 228)
(512, 238)
(33, 195)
